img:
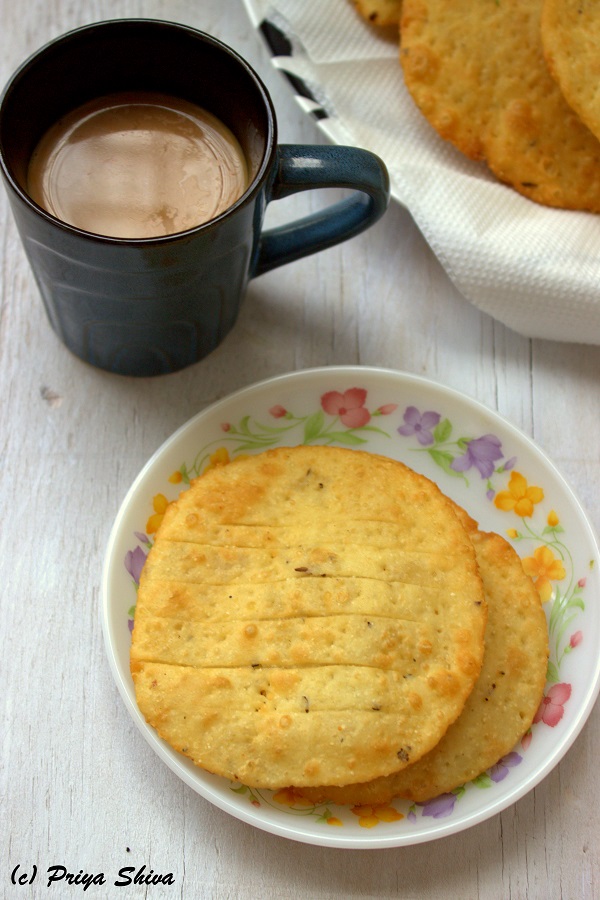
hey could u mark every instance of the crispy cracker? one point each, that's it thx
(477, 73)
(505, 698)
(308, 615)
(379, 12)
(571, 41)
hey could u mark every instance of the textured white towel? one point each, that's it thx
(535, 269)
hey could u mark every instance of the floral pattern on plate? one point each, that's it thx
(480, 462)
(472, 453)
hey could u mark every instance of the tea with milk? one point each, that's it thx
(137, 165)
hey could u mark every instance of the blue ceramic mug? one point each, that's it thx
(149, 306)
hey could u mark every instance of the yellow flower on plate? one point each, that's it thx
(176, 477)
(333, 820)
(544, 568)
(219, 458)
(291, 797)
(159, 504)
(369, 816)
(552, 519)
(520, 497)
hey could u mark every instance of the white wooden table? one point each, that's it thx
(80, 787)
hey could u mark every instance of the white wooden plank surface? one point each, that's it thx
(79, 785)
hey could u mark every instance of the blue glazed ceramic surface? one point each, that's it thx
(151, 306)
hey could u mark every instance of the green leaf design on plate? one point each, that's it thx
(443, 459)
(345, 437)
(442, 431)
(483, 781)
(552, 675)
(313, 426)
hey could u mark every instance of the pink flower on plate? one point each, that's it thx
(278, 411)
(349, 406)
(551, 709)
(576, 639)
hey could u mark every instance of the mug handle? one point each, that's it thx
(304, 168)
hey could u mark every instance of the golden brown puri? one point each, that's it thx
(503, 702)
(571, 41)
(477, 73)
(306, 616)
(379, 12)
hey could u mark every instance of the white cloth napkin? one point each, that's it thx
(535, 269)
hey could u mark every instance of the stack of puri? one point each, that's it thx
(511, 83)
(328, 619)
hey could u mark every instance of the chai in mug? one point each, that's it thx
(137, 165)
(142, 215)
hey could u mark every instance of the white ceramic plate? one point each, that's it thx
(429, 427)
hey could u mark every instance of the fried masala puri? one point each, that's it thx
(504, 700)
(308, 616)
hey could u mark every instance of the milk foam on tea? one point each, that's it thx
(137, 165)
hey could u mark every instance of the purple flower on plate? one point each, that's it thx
(142, 538)
(134, 563)
(482, 453)
(500, 770)
(420, 424)
(440, 806)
